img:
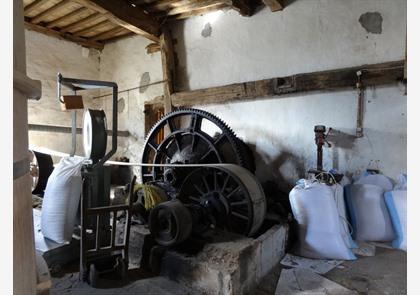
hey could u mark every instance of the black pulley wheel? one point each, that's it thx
(170, 223)
(94, 134)
(40, 170)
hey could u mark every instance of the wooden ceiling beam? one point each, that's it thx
(107, 34)
(82, 22)
(194, 6)
(91, 28)
(119, 37)
(63, 36)
(274, 5)
(161, 5)
(68, 16)
(34, 5)
(125, 15)
(37, 18)
(242, 6)
(199, 11)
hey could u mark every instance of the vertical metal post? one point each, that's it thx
(73, 131)
(360, 102)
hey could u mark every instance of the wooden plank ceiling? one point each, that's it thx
(93, 23)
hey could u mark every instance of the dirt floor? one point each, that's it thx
(384, 273)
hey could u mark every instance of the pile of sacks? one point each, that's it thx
(332, 219)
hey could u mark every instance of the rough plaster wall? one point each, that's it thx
(307, 36)
(127, 63)
(45, 57)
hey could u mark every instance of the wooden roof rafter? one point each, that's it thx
(93, 23)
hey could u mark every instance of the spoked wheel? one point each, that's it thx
(192, 136)
(230, 195)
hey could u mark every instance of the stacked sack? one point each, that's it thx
(396, 202)
(377, 210)
(323, 231)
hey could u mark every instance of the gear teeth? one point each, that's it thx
(242, 158)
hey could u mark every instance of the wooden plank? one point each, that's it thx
(63, 36)
(152, 48)
(92, 28)
(34, 5)
(66, 17)
(119, 37)
(274, 5)
(161, 5)
(37, 18)
(125, 15)
(193, 6)
(80, 23)
(377, 74)
(168, 67)
(200, 11)
(107, 34)
(242, 6)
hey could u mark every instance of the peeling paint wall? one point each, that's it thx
(306, 36)
(45, 57)
(127, 63)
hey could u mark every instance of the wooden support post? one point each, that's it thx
(168, 67)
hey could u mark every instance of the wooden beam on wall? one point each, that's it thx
(168, 67)
(346, 78)
(274, 5)
(63, 36)
(125, 15)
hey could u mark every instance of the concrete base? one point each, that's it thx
(233, 267)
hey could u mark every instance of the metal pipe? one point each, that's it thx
(129, 89)
(73, 132)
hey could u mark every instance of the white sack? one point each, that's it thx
(376, 179)
(322, 229)
(369, 215)
(61, 200)
(396, 202)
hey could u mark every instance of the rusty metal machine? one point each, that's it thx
(207, 173)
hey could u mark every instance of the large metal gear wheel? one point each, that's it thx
(192, 136)
(230, 196)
